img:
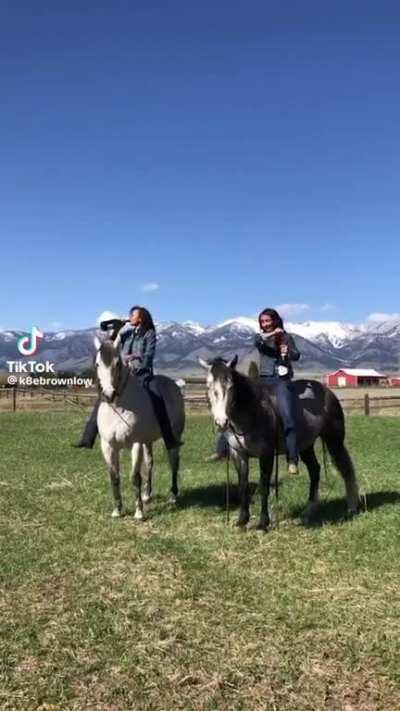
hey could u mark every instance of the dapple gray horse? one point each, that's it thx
(246, 410)
(126, 420)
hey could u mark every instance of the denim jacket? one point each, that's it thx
(270, 357)
(140, 345)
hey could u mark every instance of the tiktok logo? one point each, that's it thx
(28, 345)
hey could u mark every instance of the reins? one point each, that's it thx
(235, 431)
(227, 488)
(276, 463)
(117, 393)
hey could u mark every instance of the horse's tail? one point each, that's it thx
(334, 426)
(333, 435)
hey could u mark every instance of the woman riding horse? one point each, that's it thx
(277, 351)
(137, 339)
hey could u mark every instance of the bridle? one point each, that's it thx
(237, 434)
(230, 427)
(119, 388)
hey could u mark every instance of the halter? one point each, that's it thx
(235, 432)
(118, 391)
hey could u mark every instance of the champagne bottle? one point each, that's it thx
(283, 365)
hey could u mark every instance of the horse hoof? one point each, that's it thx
(117, 513)
(172, 499)
(138, 515)
(146, 498)
(241, 524)
(310, 511)
(262, 526)
(352, 513)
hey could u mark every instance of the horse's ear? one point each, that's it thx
(97, 343)
(204, 364)
(233, 363)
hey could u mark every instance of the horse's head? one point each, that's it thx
(220, 382)
(108, 365)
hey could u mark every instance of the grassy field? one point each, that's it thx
(183, 611)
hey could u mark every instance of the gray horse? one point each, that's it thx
(246, 411)
(126, 420)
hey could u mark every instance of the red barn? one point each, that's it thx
(355, 377)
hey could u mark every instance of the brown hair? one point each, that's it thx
(146, 319)
(278, 323)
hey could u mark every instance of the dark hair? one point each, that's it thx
(134, 308)
(278, 323)
(146, 319)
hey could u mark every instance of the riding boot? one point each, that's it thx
(89, 434)
(293, 468)
(164, 422)
(162, 417)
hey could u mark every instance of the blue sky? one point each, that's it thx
(204, 159)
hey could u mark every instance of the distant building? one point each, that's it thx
(395, 381)
(355, 377)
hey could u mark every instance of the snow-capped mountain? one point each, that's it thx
(326, 332)
(324, 345)
(241, 324)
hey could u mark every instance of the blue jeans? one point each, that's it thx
(284, 392)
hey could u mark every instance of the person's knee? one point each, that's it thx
(284, 409)
(287, 418)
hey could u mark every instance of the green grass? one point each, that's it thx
(183, 611)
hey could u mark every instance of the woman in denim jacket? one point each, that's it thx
(137, 339)
(277, 350)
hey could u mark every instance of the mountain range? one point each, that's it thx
(324, 345)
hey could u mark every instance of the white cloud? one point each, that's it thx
(291, 309)
(379, 317)
(328, 307)
(56, 325)
(150, 287)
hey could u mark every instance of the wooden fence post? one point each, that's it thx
(14, 405)
(366, 404)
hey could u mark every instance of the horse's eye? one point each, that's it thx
(215, 393)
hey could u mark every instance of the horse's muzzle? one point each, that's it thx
(222, 425)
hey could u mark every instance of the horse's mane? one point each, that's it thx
(245, 391)
(249, 394)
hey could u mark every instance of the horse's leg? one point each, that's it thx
(174, 461)
(343, 463)
(111, 456)
(266, 468)
(241, 463)
(148, 468)
(137, 456)
(309, 458)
